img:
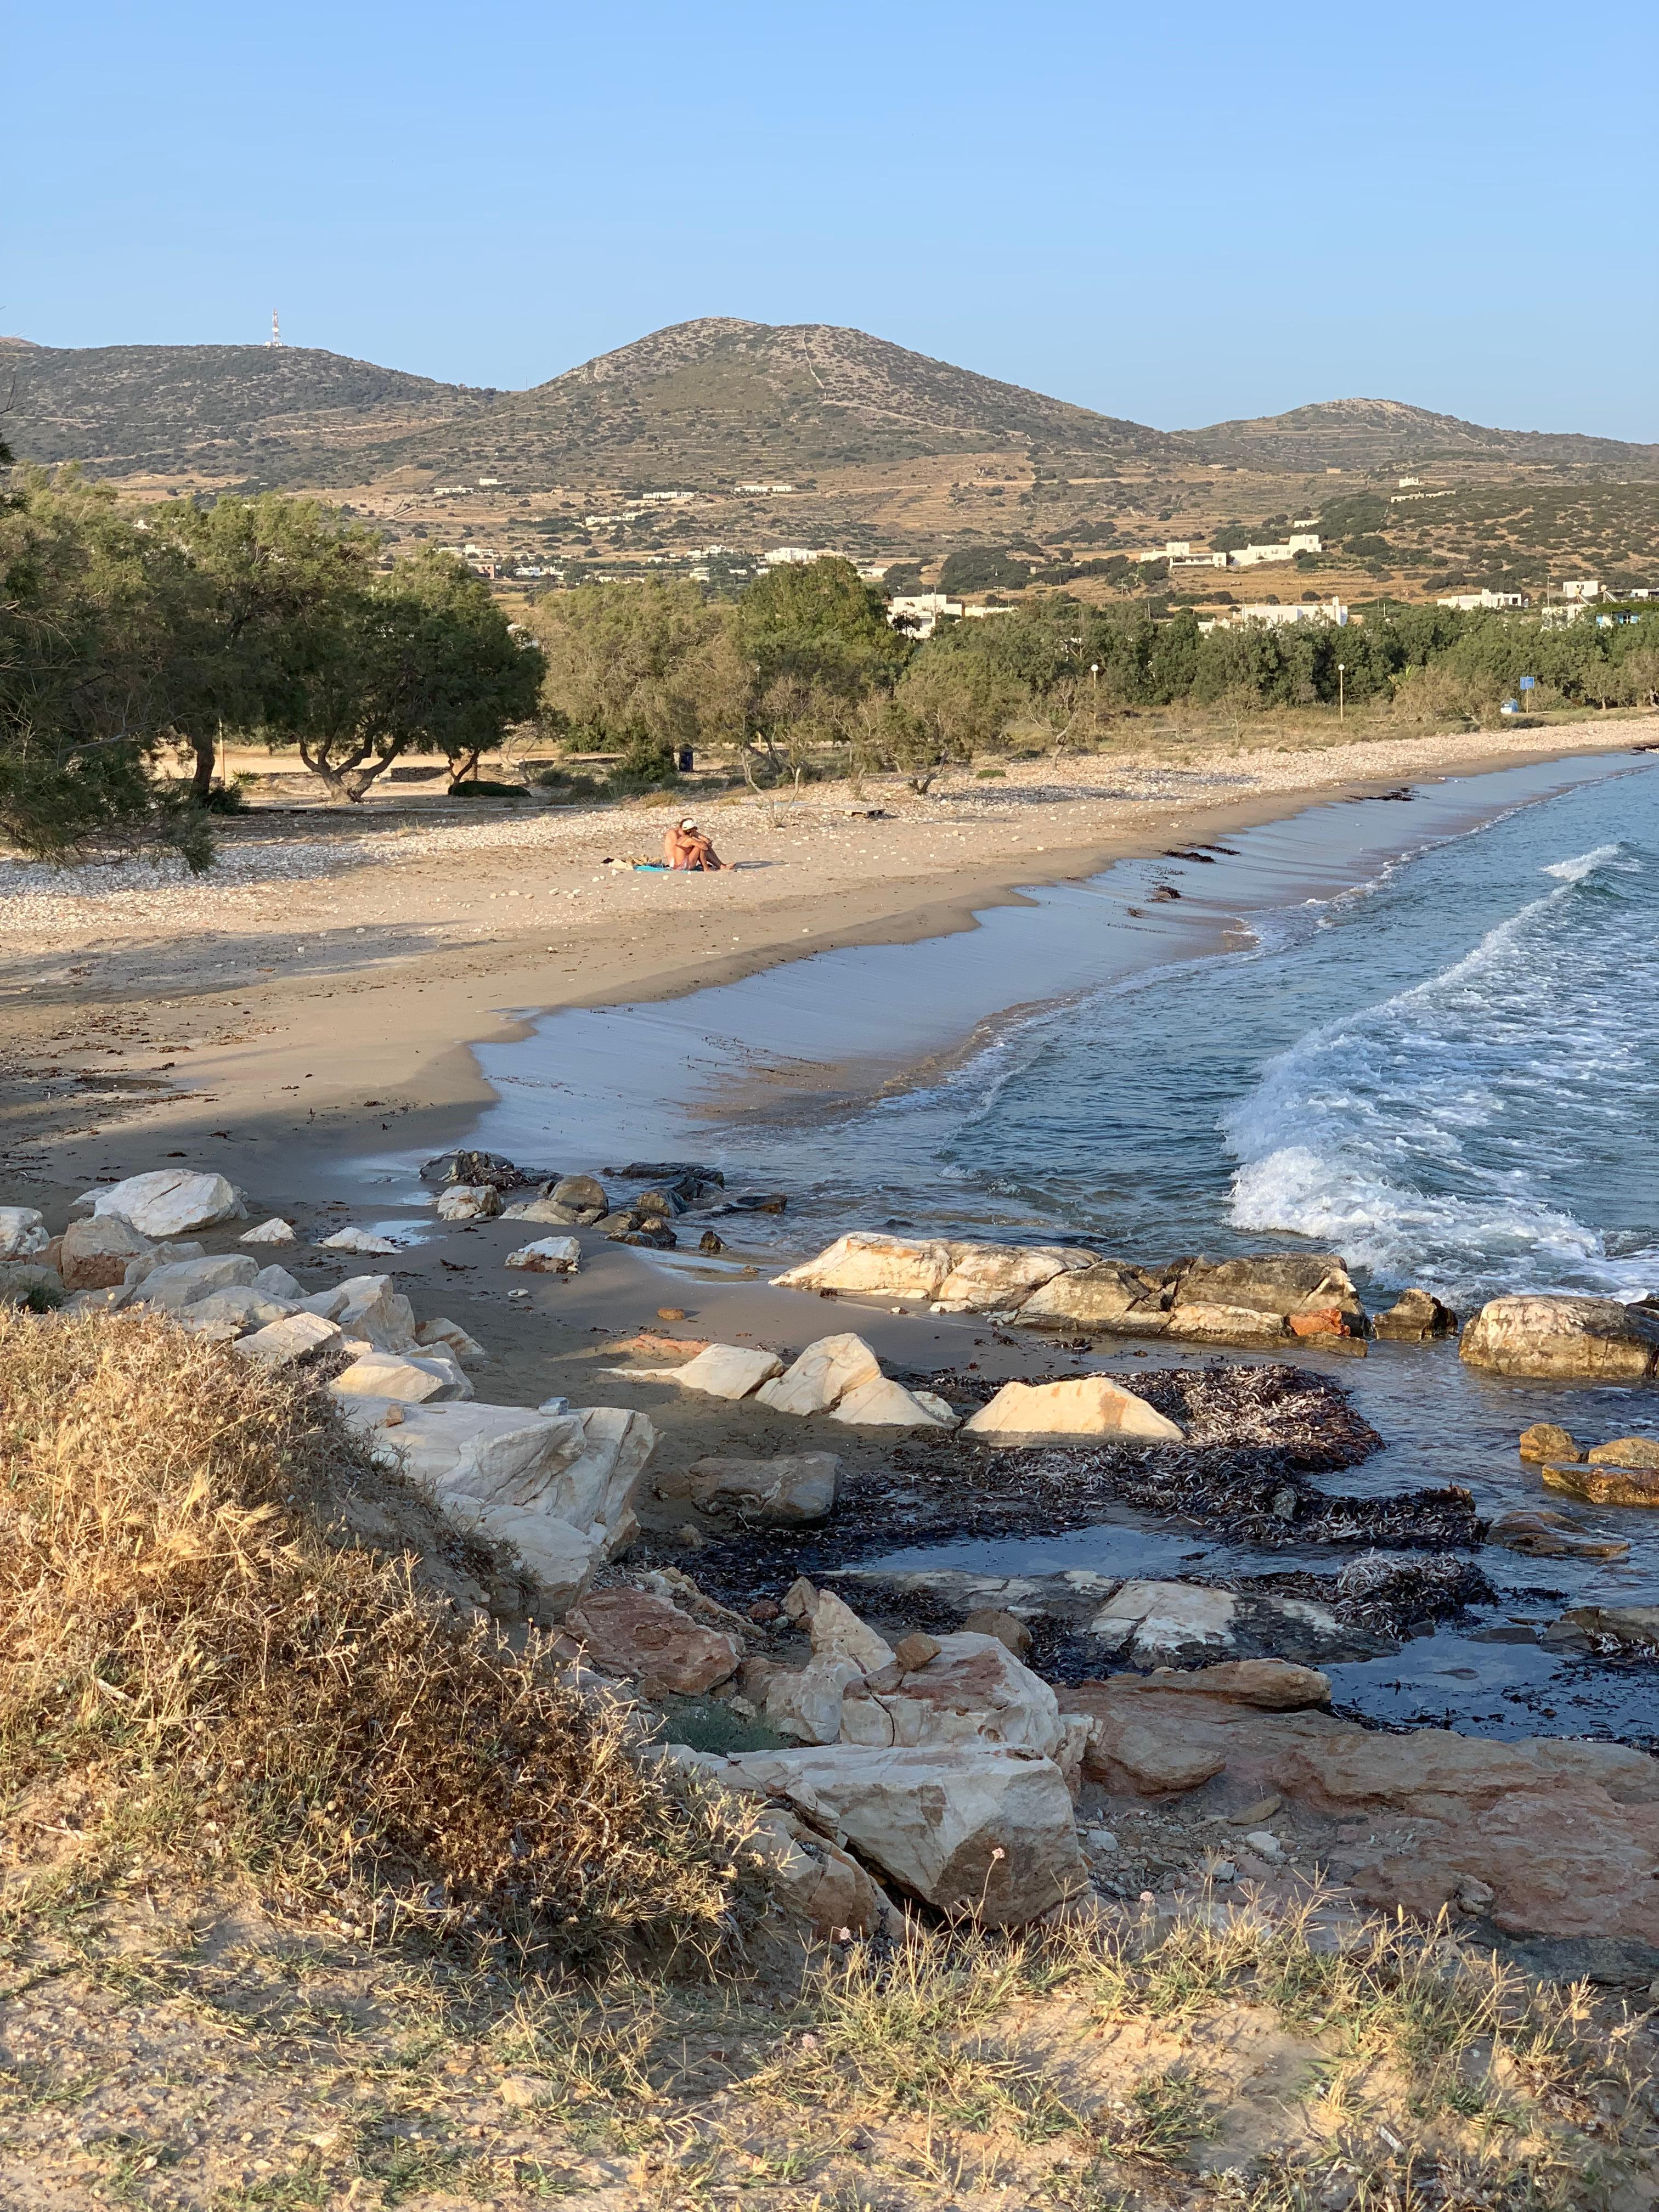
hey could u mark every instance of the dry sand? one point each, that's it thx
(322, 985)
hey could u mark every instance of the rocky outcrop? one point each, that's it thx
(1550, 1838)
(1264, 1299)
(1563, 1340)
(653, 1643)
(977, 1830)
(1603, 1484)
(169, 1202)
(769, 1492)
(1083, 1406)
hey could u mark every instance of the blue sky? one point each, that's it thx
(1176, 215)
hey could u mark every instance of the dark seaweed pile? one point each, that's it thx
(1255, 1435)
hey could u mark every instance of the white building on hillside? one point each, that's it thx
(1468, 602)
(1252, 556)
(1273, 617)
(787, 556)
(918, 612)
(1585, 588)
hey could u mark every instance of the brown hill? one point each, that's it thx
(708, 402)
(1385, 434)
(280, 415)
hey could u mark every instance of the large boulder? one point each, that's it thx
(23, 1232)
(94, 1255)
(548, 1256)
(1603, 1484)
(1083, 1406)
(558, 1488)
(169, 1202)
(1271, 1283)
(542, 1209)
(352, 1239)
(1565, 1340)
(806, 1703)
(882, 1403)
(772, 1492)
(285, 1342)
(984, 1831)
(826, 1884)
(1107, 1295)
(1625, 1451)
(898, 1267)
(1244, 1325)
(666, 1652)
(822, 1376)
(367, 1306)
(230, 1314)
(273, 1232)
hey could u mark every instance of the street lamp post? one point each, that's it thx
(1341, 690)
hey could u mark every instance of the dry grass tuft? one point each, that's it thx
(190, 1669)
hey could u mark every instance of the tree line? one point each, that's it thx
(134, 642)
(131, 639)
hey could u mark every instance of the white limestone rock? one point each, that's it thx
(864, 1260)
(550, 1256)
(822, 1376)
(172, 1284)
(368, 1306)
(973, 1690)
(885, 1404)
(720, 1371)
(358, 1240)
(1084, 1405)
(23, 1232)
(434, 1379)
(285, 1342)
(987, 1277)
(446, 1336)
(470, 1202)
(807, 1703)
(233, 1312)
(273, 1232)
(1152, 1622)
(277, 1283)
(986, 1831)
(169, 1202)
(772, 1492)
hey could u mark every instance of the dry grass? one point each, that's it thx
(190, 1669)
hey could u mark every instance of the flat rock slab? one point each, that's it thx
(1604, 1485)
(652, 1641)
(285, 1342)
(784, 1492)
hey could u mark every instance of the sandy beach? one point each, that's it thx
(318, 991)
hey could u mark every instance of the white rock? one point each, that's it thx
(902, 1266)
(277, 1283)
(273, 1232)
(23, 1232)
(552, 1256)
(370, 1307)
(1198, 1323)
(357, 1240)
(560, 1490)
(885, 1404)
(168, 1202)
(232, 1312)
(434, 1379)
(172, 1284)
(470, 1202)
(838, 1631)
(1157, 1620)
(96, 1255)
(984, 1277)
(807, 1703)
(295, 1337)
(822, 1376)
(1084, 1405)
(1264, 1841)
(449, 1336)
(722, 1371)
(980, 1829)
(973, 1690)
(330, 1305)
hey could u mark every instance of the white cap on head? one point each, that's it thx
(688, 823)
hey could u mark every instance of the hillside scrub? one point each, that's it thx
(192, 1673)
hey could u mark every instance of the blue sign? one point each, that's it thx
(1528, 682)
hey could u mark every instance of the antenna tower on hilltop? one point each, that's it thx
(276, 328)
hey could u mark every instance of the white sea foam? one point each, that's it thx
(1431, 1136)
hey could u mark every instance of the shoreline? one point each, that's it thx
(264, 1018)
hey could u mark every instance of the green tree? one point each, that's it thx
(640, 667)
(85, 662)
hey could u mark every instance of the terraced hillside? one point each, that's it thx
(283, 414)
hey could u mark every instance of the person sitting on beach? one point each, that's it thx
(685, 846)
